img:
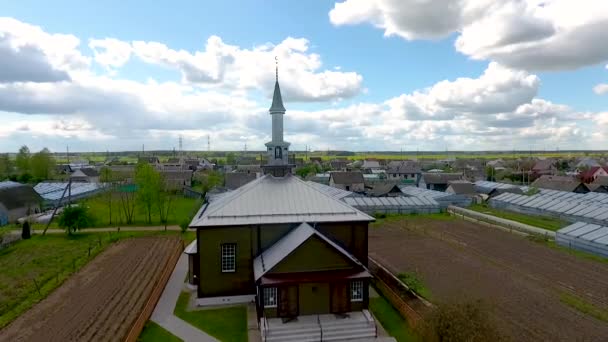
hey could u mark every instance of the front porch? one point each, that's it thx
(324, 327)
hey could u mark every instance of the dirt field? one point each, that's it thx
(521, 280)
(100, 302)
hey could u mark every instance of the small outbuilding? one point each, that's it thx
(88, 175)
(16, 201)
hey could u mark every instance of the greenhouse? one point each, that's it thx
(394, 205)
(590, 207)
(444, 199)
(591, 238)
(52, 192)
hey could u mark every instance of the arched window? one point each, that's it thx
(278, 153)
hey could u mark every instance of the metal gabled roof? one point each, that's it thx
(289, 243)
(269, 200)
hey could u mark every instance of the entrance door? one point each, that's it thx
(288, 301)
(340, 302)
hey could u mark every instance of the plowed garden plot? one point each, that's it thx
(524, 282)
(101, 301)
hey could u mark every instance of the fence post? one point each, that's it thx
(37, 287)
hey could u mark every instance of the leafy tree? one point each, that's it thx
(73, 218)
(149, 185)
(25, 231)
(230, 158)
(308, 169)
(209, 179)
(106, 177)
(42, 164)
(163, 204)
(6, 166)
(127, 204)
(23, 159)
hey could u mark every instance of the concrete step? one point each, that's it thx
(347, 337)
(359, 331)
(295, 338)
(275, 333)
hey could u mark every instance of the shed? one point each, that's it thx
(16, 201)
(438, 181)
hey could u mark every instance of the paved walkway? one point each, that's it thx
(163, 312)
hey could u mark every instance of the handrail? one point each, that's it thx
(320, 327)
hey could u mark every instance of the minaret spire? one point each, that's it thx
(277, 149)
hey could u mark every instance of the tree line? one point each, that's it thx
(27, 167)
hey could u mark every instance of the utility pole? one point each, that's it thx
(208, 143)
(180, 145)
(67, 153)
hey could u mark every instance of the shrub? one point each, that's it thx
(458, 322)
(184, 225)
(74, 218)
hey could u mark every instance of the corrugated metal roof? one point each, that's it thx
(269, 199)
(289, 243)
(9, 184)
(330, 190)
(192, 248)
(52, 191)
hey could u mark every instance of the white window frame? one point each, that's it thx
(355, 286)
(270, 293)
(228, 255)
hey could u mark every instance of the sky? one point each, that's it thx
(359, 75)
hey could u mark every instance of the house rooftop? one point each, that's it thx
(440, 178)
(347, 177)
(289, 243)
(271, 200)
(560, 183)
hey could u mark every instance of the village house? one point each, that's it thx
(176, 180)
(560, 183)
(600, 184)
(234, 180)
(544, 167)
(338, 165)
(406, 171)
(592, 173)
(88, 175)
(279, 241)
(461, 188)
(438, 181)
(347, 180)
(16, 201)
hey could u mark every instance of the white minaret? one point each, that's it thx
(277, 148)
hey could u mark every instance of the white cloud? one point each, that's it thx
(526, 34)
(601, 89)
(219, 97)
(51, 57)
(233, 67)
(110, 52)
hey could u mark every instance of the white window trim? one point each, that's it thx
(352, 287)
(233, 270)
(276, 299)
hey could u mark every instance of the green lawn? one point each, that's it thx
(227, 324)
(181, 208)
(536, 221)
(391, 320)
(155, 333)
(31, 269)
